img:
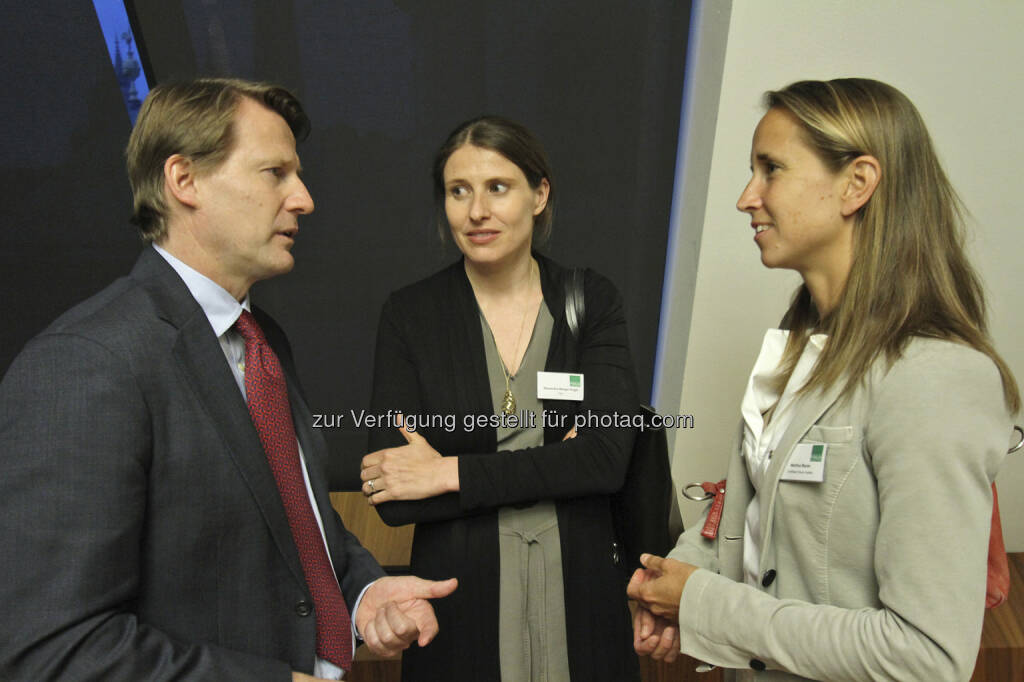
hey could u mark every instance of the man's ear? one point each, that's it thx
(180, 180)
(863, 175)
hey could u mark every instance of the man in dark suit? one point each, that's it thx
(164, 512)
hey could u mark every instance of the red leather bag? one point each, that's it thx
(998, 586)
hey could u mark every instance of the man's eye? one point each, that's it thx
(275, 171)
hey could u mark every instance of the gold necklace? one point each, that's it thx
(508, 402)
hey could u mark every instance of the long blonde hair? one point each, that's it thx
(910, 275)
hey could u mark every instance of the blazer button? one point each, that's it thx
(303, 608)
(757, 665)
(768, 578)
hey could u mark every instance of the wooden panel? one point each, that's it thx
(367, 667)
(390, 546)
(1001, 658)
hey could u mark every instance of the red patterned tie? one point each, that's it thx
(267, 394)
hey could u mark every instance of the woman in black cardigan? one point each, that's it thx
(458, 354)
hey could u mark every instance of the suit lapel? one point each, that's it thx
(198, 355)
(808, 411)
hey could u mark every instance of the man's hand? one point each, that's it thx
(411, 472)
(658, 587)
(394, 613)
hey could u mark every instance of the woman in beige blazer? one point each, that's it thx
(864, 559)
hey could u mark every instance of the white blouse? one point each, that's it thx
(760, 439)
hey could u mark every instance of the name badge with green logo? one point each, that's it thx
(559, 386)
(807, 463)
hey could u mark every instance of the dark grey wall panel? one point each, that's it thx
(384, 82)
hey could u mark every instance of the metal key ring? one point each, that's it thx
(704, 496)
(1015, 448)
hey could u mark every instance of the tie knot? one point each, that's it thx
(248, 327)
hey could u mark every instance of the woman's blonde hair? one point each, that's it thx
(910, 275)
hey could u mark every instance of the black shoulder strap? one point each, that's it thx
(574, 305)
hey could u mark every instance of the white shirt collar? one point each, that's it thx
(761, 393)
(221, 308)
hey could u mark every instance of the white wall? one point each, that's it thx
(959, 62)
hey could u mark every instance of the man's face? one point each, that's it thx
(248, 206)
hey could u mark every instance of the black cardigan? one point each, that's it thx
(430, 361)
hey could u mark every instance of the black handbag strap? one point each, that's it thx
(574, 305)
(641, 508)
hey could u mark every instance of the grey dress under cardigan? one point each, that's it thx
(531, 616)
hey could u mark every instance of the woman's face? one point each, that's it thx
(796, 203)
(490, 205)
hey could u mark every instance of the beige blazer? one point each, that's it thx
(877, 573)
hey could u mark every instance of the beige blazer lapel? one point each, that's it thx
(808, 411)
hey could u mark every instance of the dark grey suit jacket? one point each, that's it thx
(143, 535)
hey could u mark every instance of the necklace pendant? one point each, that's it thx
(508, 404)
